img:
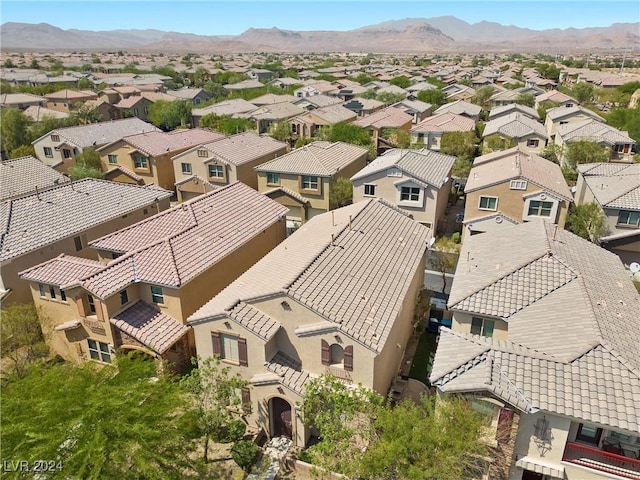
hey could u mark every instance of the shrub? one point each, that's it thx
(244, 453)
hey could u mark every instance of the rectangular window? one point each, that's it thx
(78, 243)
(113, 159)
(99, 351)
(48, 152)
(92, 303)
(63, 296)
(124, 297)
(273, 179)
(410, 194)
(157, 295)
(518, 185)
(394, 172)
(488, 203)
(216, 171)
(619, 148)
(539, 208)
(229, 345)
(66, 153)
(626, 217)
(369, 190)
(309, 183)
(54, 137)
(52, 292)
(43, 293)
(533, 142)
(203, 153)
(140, 162)
(589, 434)
(482, 326)
(186, 168)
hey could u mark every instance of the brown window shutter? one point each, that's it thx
(99, 312)
(348, 358)
(242, 351)
(215, 344)
(326, 353)
(81, 308)
(246, 400)
(505, 420)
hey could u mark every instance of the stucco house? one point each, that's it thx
(514, 186)
(308, 124)
(319, 304)
(63, 219)
(620, 143)
(417, 182)
(66, 100)
(528, 133)
(23, 176)
(152, 275)
(301, 180)
(460, 107)
(545, 341)
(430, 130)
(381, 120)
(564, 115)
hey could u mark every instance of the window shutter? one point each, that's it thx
(81, 308)
(99, 312)
(505, 420)
(242, 352)
(348, 358)
(246, 400)
(215, 344)
(326, 354)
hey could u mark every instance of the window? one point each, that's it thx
(113, 159)
(518, 185)
(273, 179)
(229, 345)
(48, 152)
(42, 290)
(410, 194)
(533, 142)
(52, 292)
(216, 171)
(78, 243)
(336, 354)
(589, 434)
(55, 138)
(124, 297)
(369, 190)
(539, 208)
(309, 183)
(92, 303)
(202, 153)
(186, 168)
(157, 295)
(63, 296)
(626, 217)
(488, 203)
(618, 148)
(394, 172)
(66, 153)
(140, 162)
(482, 326)
(99, 351)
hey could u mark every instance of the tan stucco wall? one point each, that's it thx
(461, 322)
(318, 200)
(56, 158)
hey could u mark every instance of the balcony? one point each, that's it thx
(606, 462)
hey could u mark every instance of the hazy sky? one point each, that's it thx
(212, 17)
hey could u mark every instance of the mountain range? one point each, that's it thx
(410, 35)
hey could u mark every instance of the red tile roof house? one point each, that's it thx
(387, 118)
(63, 219)
(148, 155)
(152, 275)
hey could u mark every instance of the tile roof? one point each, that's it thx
(159, 143)
(332, 114)
(497, 112)
(554, 96)
(460, 107)
(149, 326)
(38, 113)
(562, 112)
(616, 191)
(318, 101)
(499, 167)
(288, 192)
(63, 270)
(102, 133)
(412, 105)
(67, 94)
(244, 85)
(271, 98)
(20, 176)
(318, 158)
(129, 102)
(425, 165)
(591, 129)
(290, 372)
(173, 247)
(514, 125)
(36, 220)
(445, 122)
(275, 111)
(187, 93)
(389, 117)
(358, 282)
(226, 107)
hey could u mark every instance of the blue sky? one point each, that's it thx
(212, 17)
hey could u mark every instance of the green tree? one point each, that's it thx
(585, 151)
(22, 151)
(443, 257)
(461, 167)
(553, 152)
(21, 340)
(348, 133)
(437, 98)
(85, 84)
(47, 124)
(587, 221)
(526, 99)
(340, 193)
(13, 128)
(460, 144)
(389, 98)
(399, 138)
(87, 165)
(482, 96)
(626, 119)
(495, 142)
(281, 131)
(245, 453)
(226, 124)
(116, 421)
(401, 81)
(582, 92)
(170, 114)
(85, 114)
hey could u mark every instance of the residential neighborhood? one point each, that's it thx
(285, 264)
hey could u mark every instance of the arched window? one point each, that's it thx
(336, 354)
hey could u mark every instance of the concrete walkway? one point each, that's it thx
(269, 465)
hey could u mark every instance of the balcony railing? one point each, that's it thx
(625, 467)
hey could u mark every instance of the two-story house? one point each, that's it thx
(620, 143)
(514, 186)
(63, 219)
(429, 131)
(66, 100)
(234, 107)
(385, 119)
(310, 123)
(528, 133)
(214, 164)
(418, 182)
(302, 179)
(152, 275)
(563, 115)
(273, 114)
(545, 341)
(59, 147)
(148, 155)
(616, 189)
(417, 109)
(554, 97)
(319, 303)
(460, 107)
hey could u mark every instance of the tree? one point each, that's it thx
(348, 133)
(340, 193)
(116, 421)
(460, 144)
(443, 257)
(226, 124)
(85, 114)
(13, 128)
(85, 84)
(437, 98)
(482, 96)
(244, 453)
(389, 98)
(281, 131)
(170, 114)
(21, 340)
(399, 138)
(215, 396)
(587, 221)
(461, 167)
(22, 151)
(626, 119)
(401, 81)
(495, 142)
(88, 165)
(582, 92)
(585, 151)
(215, 89)
(526, 99)
(436, 438)
(553, 152)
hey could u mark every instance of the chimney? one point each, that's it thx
(349, 222)
(332, 239)
(37, 193)
(555, 232)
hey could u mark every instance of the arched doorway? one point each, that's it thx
(281, 418)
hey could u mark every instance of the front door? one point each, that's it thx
(281, 411)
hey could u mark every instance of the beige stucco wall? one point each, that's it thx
(62, 164)
(317, 199)
(552, 126)
(461, 322)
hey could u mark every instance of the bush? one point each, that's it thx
(244, 453)
(456, 237)
(231, 432)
